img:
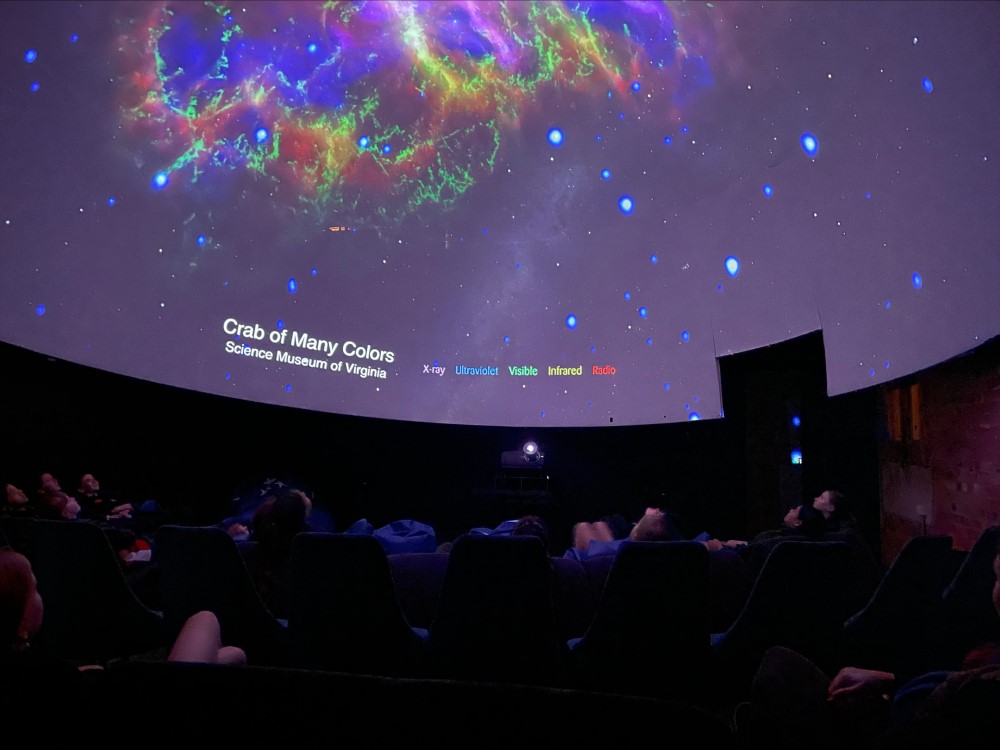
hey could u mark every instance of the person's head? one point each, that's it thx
(532, 526)
(654, 526)
(48, 484)
(15, 495)
(278, 519)
(20, 604)
(59, 505)
(833, 505)
(306, 500)
(89, 484)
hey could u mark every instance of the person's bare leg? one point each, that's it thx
(232, 655)
(200, 640)
(584, 533)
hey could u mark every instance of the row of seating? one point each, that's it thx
(499, 609)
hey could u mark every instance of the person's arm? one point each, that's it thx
(854, 682)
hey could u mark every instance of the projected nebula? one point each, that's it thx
(548, 213)
(378, 108)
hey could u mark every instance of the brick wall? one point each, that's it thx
(940, 456)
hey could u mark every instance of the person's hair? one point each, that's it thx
(532, 526)
(15, 587)
(53, 504)
(9, 489)
(276, 522)
(843, 514)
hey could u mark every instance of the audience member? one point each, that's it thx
(47, 485)
(274, 526)
(239, 523)
(17, 504)
(836, 509)
(792, 700)
(800, 521)
(22, 611)
(58, 505)
(96, 505)
(599, 538)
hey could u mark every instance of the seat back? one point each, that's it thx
(344, 613)
(864, 573)
(650, 632)
(91, 613)
(495, 617)
(201, 569)
(573, 599)
(418, 577)
(969, 618)
(797, 601)
(895, 629)
(866, 569)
